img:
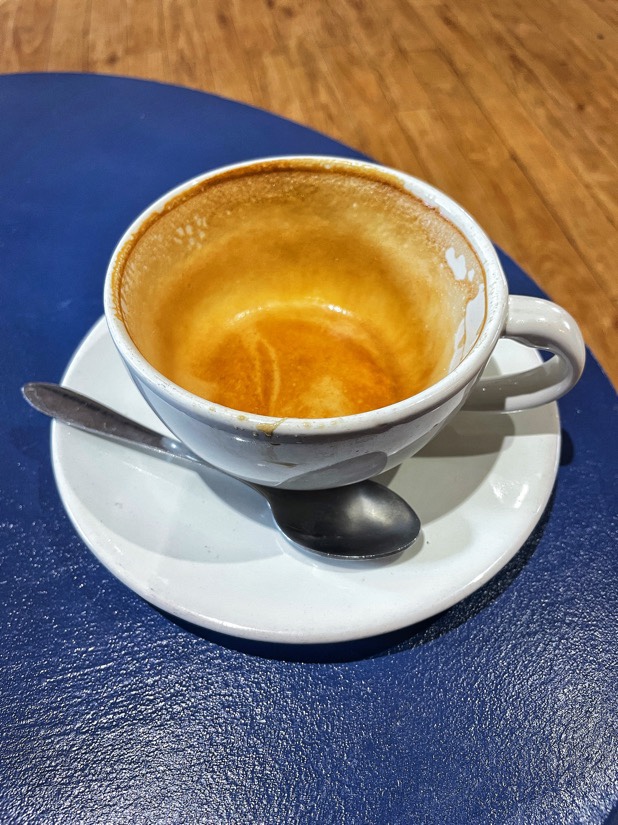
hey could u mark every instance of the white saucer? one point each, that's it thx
(205, 548)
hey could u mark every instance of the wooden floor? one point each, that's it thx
(510, 106)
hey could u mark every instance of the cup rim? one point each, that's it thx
(246, 422)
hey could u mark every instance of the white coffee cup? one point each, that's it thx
(301, 453)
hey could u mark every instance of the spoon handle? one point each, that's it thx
(89, 415)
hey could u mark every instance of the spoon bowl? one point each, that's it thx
(361, 521)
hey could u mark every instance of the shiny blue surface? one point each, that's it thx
(502, 709)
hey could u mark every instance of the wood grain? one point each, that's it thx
(510, 107)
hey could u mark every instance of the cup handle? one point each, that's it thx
(542, 324)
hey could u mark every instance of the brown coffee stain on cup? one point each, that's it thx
(268, 429)
(296, 290)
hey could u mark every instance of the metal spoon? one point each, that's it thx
(360, 521)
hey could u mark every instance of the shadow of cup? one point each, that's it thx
(471, 444)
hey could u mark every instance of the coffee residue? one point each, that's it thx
(305, 293)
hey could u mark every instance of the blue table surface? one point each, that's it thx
(502, 709)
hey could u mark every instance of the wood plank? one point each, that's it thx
(148, 64)
(298, 20)
(317, 94)
(358, 89)
(607, 10)
(107, 35)
(434, 141)
(477, 138)
(274, 86)
(68, 50)
(580, 78)
(401, 17)
(380, 28)
(145, 26)
(256, 32)
(537, 76)
(9, 59)
(584, 32)
(186, 58)
(398, 79)
(584, 223)
(230, 67)
(28, 34)
(146, 52)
